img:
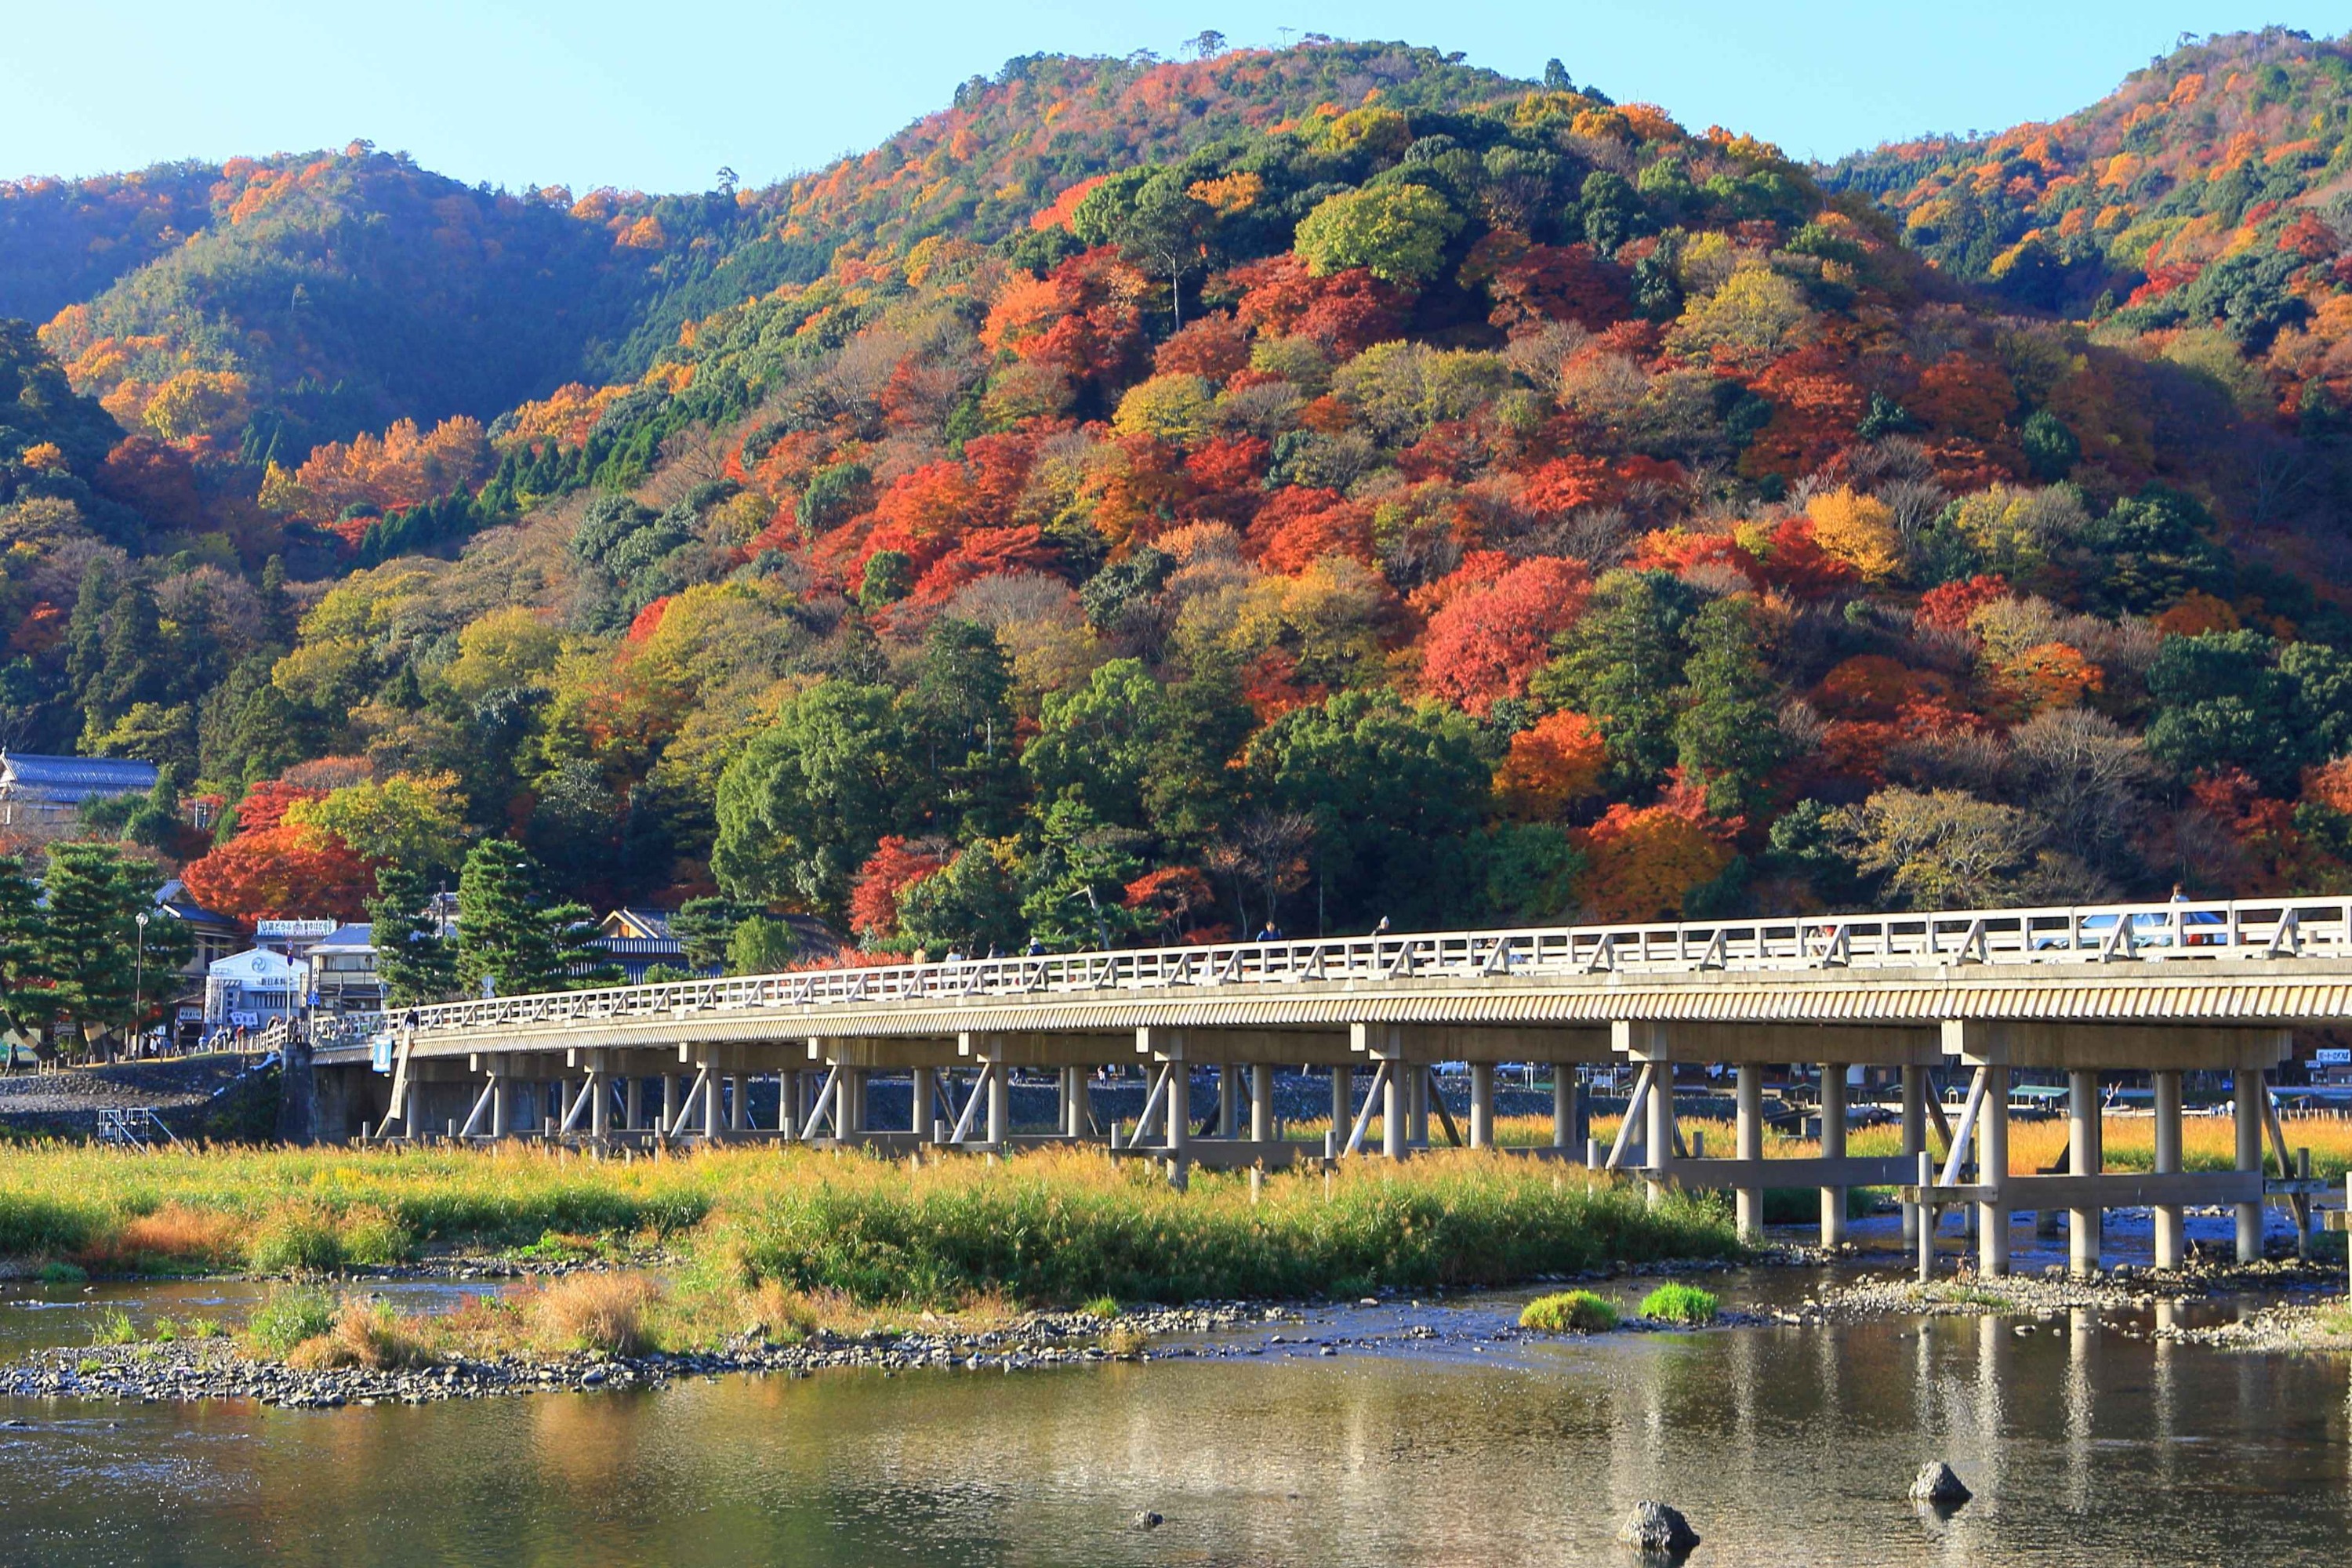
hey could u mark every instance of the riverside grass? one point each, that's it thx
(1052, 1228)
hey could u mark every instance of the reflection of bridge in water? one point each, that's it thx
(2160, 990)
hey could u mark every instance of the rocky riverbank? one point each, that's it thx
(2123, 1289)
(217, 1368)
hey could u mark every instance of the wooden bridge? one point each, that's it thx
(2093, 993)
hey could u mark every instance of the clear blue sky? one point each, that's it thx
(659, 95)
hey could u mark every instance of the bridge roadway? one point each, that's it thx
(2092, 992)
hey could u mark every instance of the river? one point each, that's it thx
(1783, 1444)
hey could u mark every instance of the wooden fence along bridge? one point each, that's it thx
(2109, 991)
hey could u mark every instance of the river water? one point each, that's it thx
(1783, 1444)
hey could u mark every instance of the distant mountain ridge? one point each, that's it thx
(321, 294)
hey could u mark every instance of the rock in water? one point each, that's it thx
(1936, 1484)
(1659, 1530)
(1147, 1520)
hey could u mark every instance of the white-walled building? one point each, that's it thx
(255, 988)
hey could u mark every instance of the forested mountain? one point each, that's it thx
(1149, 499)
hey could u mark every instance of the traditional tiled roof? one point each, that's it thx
(68, 780)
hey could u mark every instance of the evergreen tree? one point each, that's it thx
(22, 924)
(1728, 736)
(1619, 666)
(705, 928)
(91, 947)
(413, 960)
(510, 934)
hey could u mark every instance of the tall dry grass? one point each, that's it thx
(1055, 1226)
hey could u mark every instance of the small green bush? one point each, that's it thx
(295, 1241)
(1101, 1307)
(114, 1327)
(59, 1272)
(1570, 1313)
(373, 1236)
(286, 1318)
(1679, 1304)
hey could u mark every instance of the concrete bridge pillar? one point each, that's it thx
(598, 1089)
(1000, 1102)
(2249, 1115)
(1417, 1104)
(633, 1107)
(1179, 1120)
(1662, 1132)
(788, 1104)
(668, 1100)
(1343, 1103)
(1482, 1105)
(2086, 1156)
(1749, 1144)
(1229, 1100)
(1261, 1128)
(1834, 1148)
(734, 1102)
(713, 1109)
(2170, 1234)
(1915, 1140)
(1992, 1170)
(499, 1091)
(1394, 1097)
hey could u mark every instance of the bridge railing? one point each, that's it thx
(2186, 932)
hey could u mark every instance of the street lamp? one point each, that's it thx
(139, 984)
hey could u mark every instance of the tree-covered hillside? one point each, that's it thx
(1191, 496)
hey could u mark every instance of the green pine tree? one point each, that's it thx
(510, 934)
(412, 958)
(102, 976)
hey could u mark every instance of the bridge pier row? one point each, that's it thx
(2086, 1156)
(1833, 1148)
(1747, 1137)
(2171, 1235)
(2247, 1108)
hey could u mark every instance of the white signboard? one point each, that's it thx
(293, 927)
(2333, 1056)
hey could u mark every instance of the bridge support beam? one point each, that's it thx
(1229, 1100)
(2086, 1156)
(1482, 1105)
(1747, 1137)
(632, 1105)
(2171, 1233)
(1343, 1105)
(1834, 1148)
(1992, 1171)
(2248, 1108)
(1261, 1120)
(1662, 1132)
(788, 1104)
(1915, 1140)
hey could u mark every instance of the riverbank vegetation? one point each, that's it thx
(770, 1232)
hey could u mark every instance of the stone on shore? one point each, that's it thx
(1657, 1530)
(1936, 1485)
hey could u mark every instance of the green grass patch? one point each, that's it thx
(1679, 1303)
(288, 1316)
(114, 1327)
(1570, 1313)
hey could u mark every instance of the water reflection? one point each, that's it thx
(1784, 1446)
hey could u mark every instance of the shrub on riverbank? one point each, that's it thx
(1056, 1226)
(1679, 1303)
(597, 1312)
(1067, 1226)
(1570, 1313)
